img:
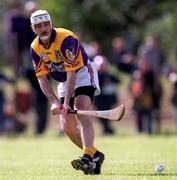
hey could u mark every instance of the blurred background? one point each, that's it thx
(133, 44)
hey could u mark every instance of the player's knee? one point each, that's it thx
(82, 102)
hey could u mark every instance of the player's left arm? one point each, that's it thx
(70, 49)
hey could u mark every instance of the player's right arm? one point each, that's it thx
(48, 91)
(41, 74)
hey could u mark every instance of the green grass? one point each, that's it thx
(48, 158)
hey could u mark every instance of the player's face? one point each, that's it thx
(43, 29)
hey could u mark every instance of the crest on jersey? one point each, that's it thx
(70, 56)
(57, 55)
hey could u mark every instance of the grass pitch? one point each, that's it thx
(48, 158)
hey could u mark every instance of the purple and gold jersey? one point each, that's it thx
(64, 53)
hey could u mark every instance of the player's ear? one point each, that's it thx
(33, 29)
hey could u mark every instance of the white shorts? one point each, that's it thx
(86, 76)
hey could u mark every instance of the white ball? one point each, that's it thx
(159, 168)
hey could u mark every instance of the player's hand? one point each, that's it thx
(65, 109)
(56, 109)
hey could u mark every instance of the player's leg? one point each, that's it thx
(92, 159)
(87, 132)
(85, 77)
(71, 127)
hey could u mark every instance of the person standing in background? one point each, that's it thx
(141, 90)
(18, 36)
(14, 49)
(42, 109)
(13, 44)
(152, 52)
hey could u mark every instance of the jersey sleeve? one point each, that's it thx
(71, 52)
(39, 66)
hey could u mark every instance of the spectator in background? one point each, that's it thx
(9, 122)
(141, 89)
(108, 85)
(156, 58)
(18, 36)
(15, 45)
(108, 97)
(12, 43)
(42, 108)
(121, 57)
